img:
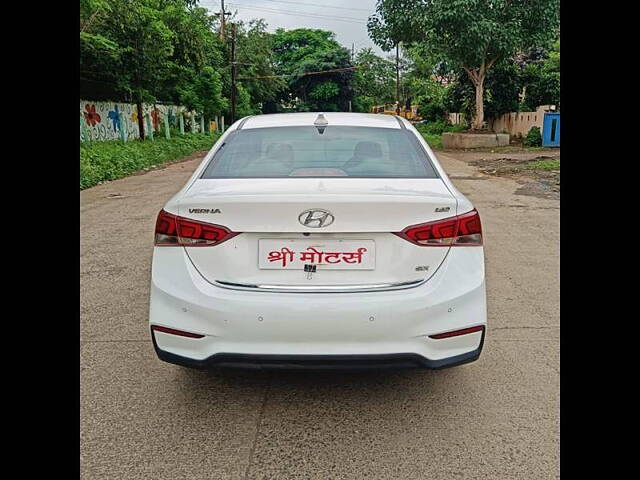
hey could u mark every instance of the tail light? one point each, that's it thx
(172, 230)
(173, 331)
(462, 230)
(456, 333)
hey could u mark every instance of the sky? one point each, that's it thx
(346, 18)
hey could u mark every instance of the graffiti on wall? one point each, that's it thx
(101, 119)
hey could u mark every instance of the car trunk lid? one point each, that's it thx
(276, 248)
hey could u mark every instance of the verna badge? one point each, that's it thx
(204, 210)
(316, 218)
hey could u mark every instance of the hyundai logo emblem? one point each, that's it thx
(316, 218)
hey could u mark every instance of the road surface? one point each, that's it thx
(497, 418)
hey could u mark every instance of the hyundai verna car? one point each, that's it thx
(322, 240)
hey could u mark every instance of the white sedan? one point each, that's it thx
(318, 240)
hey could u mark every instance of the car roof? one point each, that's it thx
(333, 118)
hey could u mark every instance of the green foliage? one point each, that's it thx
(149, 50)
(245, 105)
(547, 165)
(432, 131)
(430, 95)
(374, 81)
(459, 97)
(534, 74)
(323, 92)
(195, 70)
(293, 47)
(542, 80)
(533, 138)
(467, 32)
(170, 51)
(94, 45)
(433, 139)
(502, 88)
(302, 51)
(362, 103)
(202, 91)
(422, 82)
(431, 110)
(438, 127)
(472, 35)
(256, 64)
(102, 161)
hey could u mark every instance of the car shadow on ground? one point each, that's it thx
(358, 386)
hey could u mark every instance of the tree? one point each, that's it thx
(194, 77)
(150, 50)
(95, 46)
(503, 88)
(471, 34)
(425, 81)
(145, 46)
(202, 91)
(300, 54)
(374, 81)
(459, 96)
(256, 65)
(245, 105)
(520, 83)
(542, 80)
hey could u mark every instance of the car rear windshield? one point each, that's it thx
(332, 151)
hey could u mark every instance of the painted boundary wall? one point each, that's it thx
(101, 119)
(516, 124)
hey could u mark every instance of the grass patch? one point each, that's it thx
(103, 161)
(547, 165)
(432, 132)
(433, 139)
(505, 149)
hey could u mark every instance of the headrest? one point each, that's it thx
(368, 150)
(280, 151)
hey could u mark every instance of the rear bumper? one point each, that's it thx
(318, 362)
(321, 330)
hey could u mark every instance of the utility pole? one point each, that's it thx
(222, 14)
(233, 72)
(398, 78)
(352, 57)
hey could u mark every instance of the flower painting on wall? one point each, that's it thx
(90, 115)
(103, 120)
(113, 116)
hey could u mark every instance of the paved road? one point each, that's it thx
(497, 418)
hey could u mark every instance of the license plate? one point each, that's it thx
(294, 254)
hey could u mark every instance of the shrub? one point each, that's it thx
(433, 128)
(101, 161)
(434, 140)
(533, 138)
(439, 127)
(432, 111)
(459, 127)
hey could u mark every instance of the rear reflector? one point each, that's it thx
(172, 230)
(455, 333)
(462, 230)
(172, 331)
